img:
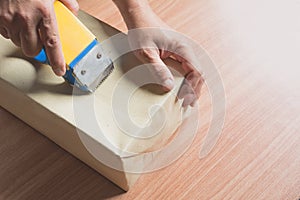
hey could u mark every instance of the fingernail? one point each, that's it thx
(59, 72)
(168, 84)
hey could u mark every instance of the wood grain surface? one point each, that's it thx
(255, 46)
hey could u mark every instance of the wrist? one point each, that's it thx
(134, 11)
(131, 6)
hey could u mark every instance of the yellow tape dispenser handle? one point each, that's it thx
(76, 40)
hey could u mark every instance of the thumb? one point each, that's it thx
(72, 5)
(157, 67)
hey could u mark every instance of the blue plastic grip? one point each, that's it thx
(42, 57)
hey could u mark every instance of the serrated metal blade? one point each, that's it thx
(93, 69)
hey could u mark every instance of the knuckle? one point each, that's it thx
(23, 16)
(179, 46)
(182, 46)
(160, 72)
(47, 21)
(185, 51)
(51, 41)
(197, 74)
(44, 9)
(146, 53)
(194, 75)
(5, 17)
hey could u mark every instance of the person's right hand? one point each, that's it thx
(31, 25)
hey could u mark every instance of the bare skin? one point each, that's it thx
(31, 25)
(138, 14)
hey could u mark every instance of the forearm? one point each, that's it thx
(135, 13)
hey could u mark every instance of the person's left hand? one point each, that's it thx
(155, 44)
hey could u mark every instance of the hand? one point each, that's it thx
(158, 43)
(31, 25)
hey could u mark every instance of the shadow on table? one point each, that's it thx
(33, 167)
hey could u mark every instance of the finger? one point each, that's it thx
(185, 89)
(165, 54)
(30, 41)
(51, 42)
(186, 93)
(72, 5)
(189, 100)
(193, 78)
(4, 32)
(187, 66)
(195, 81)
(198, 92)
(199, 87)
(158, 68)
(191, 88)
(14, 35)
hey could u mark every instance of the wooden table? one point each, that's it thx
(255, 46)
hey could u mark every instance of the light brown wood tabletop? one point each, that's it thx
(255, 46)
